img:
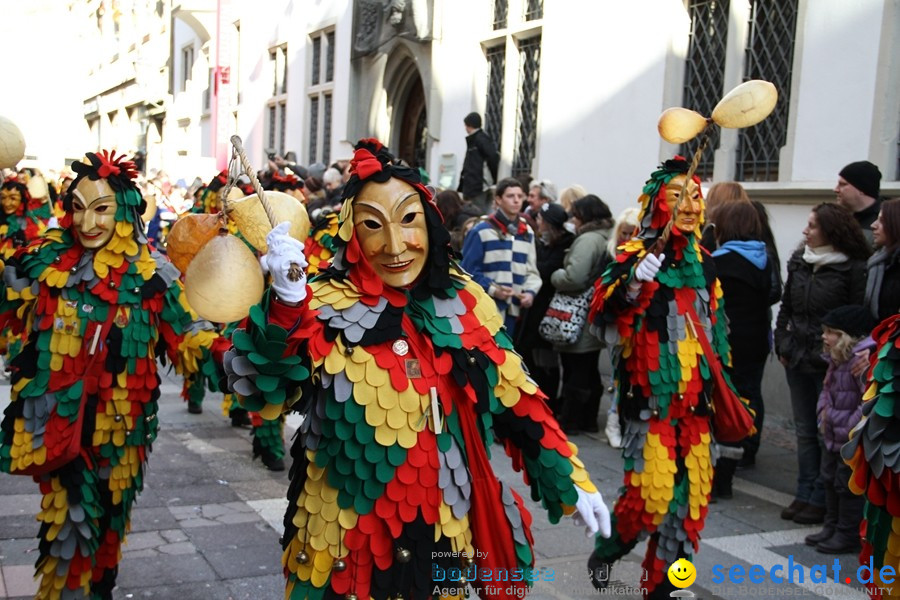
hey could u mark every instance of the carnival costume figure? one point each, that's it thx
(97, 306)
(22, 219)
(873, 454)
(399, 362)
(651, 308)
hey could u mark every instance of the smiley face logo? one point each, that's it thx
(682, 573)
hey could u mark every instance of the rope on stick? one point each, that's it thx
(294, 272)
(695, 162)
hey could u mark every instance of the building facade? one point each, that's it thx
(570, 90)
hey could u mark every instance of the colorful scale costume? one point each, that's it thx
(382, 490)
(58, 293)
(873, 453)
(663, 383)
(28, 222)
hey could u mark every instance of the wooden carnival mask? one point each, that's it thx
(94, 212)
(389, 220)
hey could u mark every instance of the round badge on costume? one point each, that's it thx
(400, 348)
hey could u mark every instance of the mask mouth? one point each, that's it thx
(397, 266)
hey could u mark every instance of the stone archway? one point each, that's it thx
(413, 137)
(408, 110)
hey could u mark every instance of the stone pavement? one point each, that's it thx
(207, 524)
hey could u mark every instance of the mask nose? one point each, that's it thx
(88, 221)
(393, 243)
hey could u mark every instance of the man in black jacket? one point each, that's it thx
(479, 171)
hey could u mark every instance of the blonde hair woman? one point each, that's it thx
(569, 195)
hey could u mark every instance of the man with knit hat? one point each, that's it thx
(857, 190)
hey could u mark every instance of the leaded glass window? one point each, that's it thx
(769, 56)
(313, 128)
(326, 131)
(526, 117)
(534, 9)
(329, 56)
(316, 59)
(493, 116)
(501, 9)
(705, 71)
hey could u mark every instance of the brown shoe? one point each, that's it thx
(810, 515)
(796, 506)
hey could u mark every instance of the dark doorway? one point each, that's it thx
(413, 126)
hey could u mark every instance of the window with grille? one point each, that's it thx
(313, 129)
(526, 117)
(493, 114)
(769, 56)
(187, 65)
(705, 71)
(316, 60)
(501, 9)
(273, 115)
(329, 56)
(277, 104)
(326, 129)
(534, 9)
(319, 92)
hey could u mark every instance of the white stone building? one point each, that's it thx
(571, 89)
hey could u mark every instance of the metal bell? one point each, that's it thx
(403, 555)
(302, 557)
(610, 390)
(339, 565)
(350, 597)
(398, 597)
(117, 418)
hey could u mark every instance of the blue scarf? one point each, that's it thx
(753, 250)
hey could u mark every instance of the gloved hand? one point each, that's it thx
(52, 223)
(284, 250)
(592, 513)
(649, 267)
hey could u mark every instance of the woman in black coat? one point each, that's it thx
(825, 272)
(883, 280)
(745, 270)
(542, 360)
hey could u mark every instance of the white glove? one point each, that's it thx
(52, 223)
(592, 513)
(649, 267)
(284, 250)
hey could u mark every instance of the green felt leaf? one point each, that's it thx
(396, 455)
(258, 359)
(266, 383)
(242, 341)
(383, 472)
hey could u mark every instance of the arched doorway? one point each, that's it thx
(413, 120)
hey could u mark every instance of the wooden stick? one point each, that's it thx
(294, 272)
(695, 162)
(254, 180)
